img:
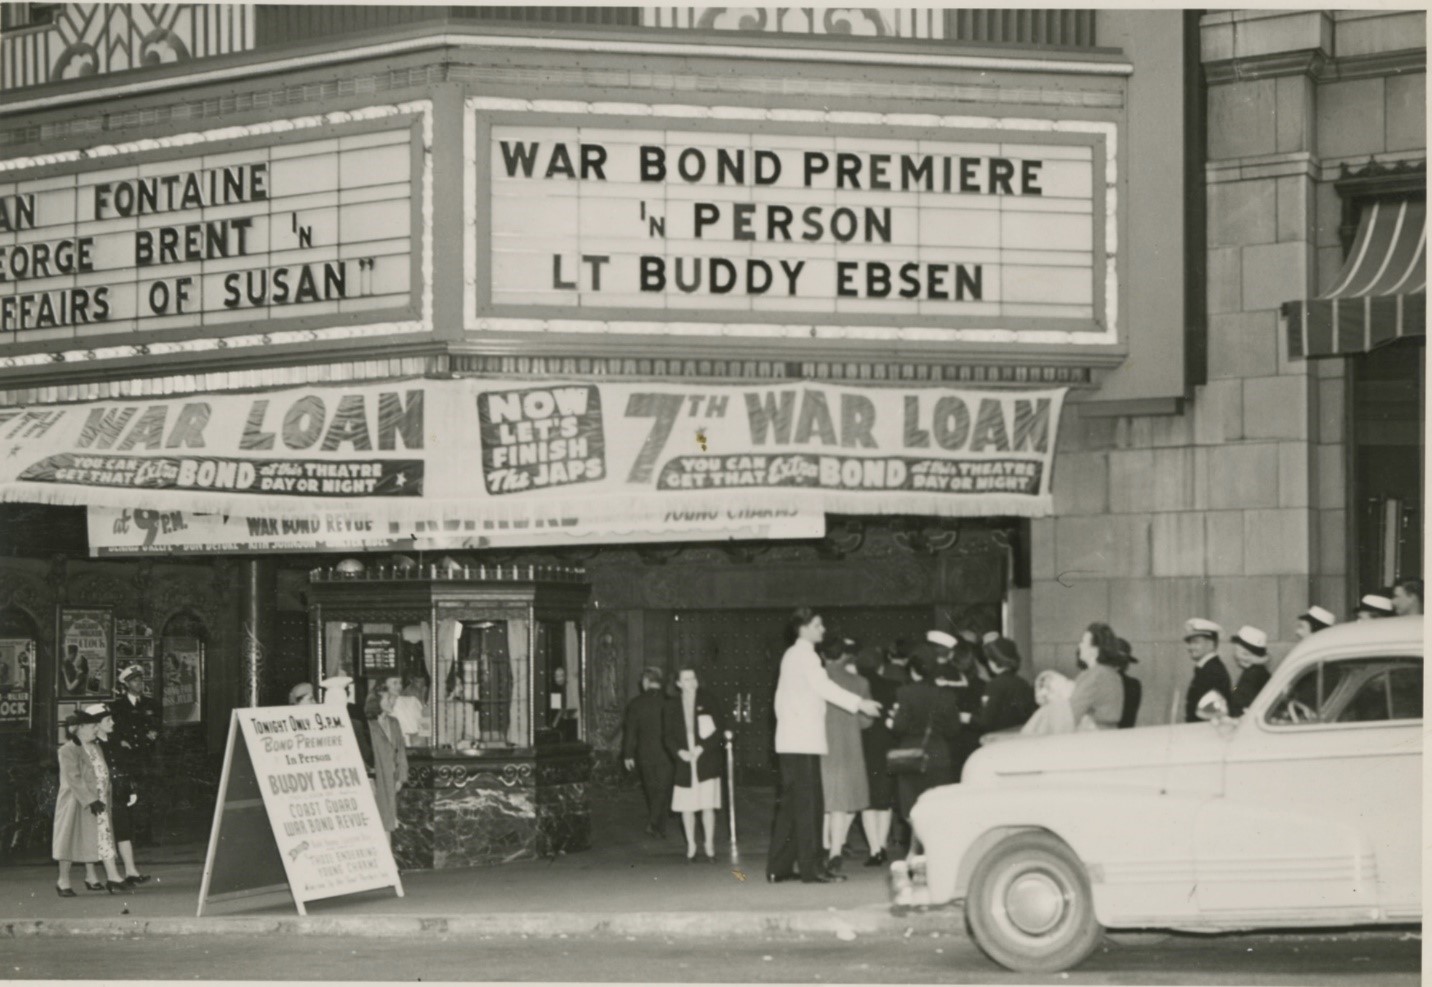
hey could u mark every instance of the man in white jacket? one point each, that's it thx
(801, 695)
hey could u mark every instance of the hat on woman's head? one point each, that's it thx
(1001, 651)
(1254, 641)
(97, 710)
(79, 718)
(1318, 618)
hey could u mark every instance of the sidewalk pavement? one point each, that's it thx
(627, 884)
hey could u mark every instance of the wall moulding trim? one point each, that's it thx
(1315, 63)
(1298, 164)
(746, 368)
(528, 79)
(591, 44)
(259, 378)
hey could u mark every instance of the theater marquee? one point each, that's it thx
(901, 227)
(308, 222)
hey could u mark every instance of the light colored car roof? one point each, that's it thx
(1391, 631)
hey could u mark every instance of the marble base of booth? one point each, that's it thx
(461, 811)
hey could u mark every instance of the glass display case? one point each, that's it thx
(488, 664)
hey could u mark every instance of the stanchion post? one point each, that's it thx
(731, 802)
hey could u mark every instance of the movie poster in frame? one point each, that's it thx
(84, 668)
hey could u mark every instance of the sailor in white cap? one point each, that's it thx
(1312, 620)
(941, 640)
(133, 746)
(1200, 639)
(338, 691)
(1250, 650)
(1374, 606)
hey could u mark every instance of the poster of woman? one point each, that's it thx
(183, 671)
(86, 665)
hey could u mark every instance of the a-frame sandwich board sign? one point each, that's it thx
(295, 811)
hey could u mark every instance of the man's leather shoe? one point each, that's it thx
(778, 878)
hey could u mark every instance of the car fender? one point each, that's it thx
(1136, 846)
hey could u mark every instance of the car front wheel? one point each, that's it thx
(1029, 907)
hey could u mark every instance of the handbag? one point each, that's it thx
(909, 760)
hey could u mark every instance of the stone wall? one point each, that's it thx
(1236, 509)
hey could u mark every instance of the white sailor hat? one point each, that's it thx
(1318, 617)
(941, 638)
(129, 672)
(1375, 603)
(1199, 627)
(1253, 641)
(336, 682)
(97, 710)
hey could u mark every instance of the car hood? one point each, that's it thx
(1183, 755)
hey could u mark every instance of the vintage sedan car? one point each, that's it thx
(1304, 812)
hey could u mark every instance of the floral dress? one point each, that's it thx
(106, 832)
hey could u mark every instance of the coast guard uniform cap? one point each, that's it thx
(941, 638)
(1317, 615)
(1199, 627)
(1376, 603)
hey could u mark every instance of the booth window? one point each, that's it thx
(559, 670)
(483, 669)
(181, 671)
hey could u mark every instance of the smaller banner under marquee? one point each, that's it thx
(482, 458)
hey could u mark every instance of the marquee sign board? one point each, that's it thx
(995, 231)
(278, 227)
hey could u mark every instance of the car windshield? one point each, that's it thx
(1361, 690)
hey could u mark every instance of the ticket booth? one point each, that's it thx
(489, 663)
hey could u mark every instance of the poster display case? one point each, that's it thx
(487, 663)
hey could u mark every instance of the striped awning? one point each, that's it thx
(1381, 293)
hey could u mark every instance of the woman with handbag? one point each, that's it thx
(82, 827)
(692, 728)
(925, 720)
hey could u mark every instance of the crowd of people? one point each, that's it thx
(863, 733)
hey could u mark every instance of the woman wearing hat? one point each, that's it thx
(1312, 620)
(926, 716)
(1250, 650)
(1008, 699)
(82, 829)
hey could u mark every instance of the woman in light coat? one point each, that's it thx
(82, 826)
(390, 755)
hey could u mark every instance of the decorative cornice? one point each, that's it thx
(229, 69)
(1316, 64)
(1311, 62)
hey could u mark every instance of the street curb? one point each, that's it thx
(843, 924)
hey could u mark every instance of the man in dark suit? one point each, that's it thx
(1200, 638)
(132, 747)
(643, 751)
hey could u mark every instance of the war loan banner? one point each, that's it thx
(419, 450)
